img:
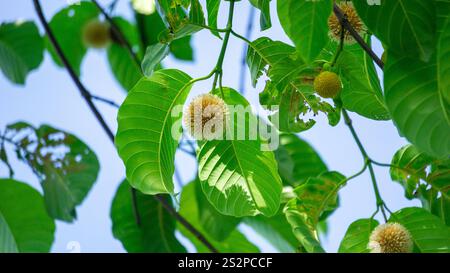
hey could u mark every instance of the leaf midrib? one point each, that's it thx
(164, 126)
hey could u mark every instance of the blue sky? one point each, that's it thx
(50, 97)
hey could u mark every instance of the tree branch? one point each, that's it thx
(346, 24)
(88, 99)
(104, 100)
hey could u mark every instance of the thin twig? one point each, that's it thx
(88, 98)
(346, 24)
(248, 33)
(83, 91)
(185, 223)
(118, 34)
(218, 69)
(104, 100)
(380, 202)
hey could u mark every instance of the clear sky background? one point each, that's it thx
(50, 97)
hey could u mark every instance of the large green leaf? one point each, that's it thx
(238, 177)
(212, 7)
(149, 26)
(123, 66)
(67, 26)
(274, 229)
(21, 50)
(66, 167)
(144, 139)
(407, 27)
(178, 23)
(153, 56)
(290, 87)
(24, 223)
(182, 49)
(409, 167)
(316, 197)
(307, 237)
(443, 66)
(357, 236)
(219, 226)
(306, 162)
(319, 195)
(442, 11)
(264, 52)
(156, 230)
(414, 93)
(428, 232)
(191, 210)
(265, 21)
(361, 91)
(305, 22)
(441, 208)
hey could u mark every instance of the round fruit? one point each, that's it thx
(96, 34)
(327, 84)
(205, 117)
(390, 238)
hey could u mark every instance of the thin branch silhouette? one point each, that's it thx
(88, 99)
(346, 24)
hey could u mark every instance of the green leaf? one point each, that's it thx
(24, 223)
(429, 234)
(357, 236)
(156, 231)
(21, 50)
(238, 177)
(219, 226)
(182, 49)
(306, 162)
(443, 67)
(414, 96)
(66, 167)
(442, 8)
(315, 198)
(71, 20)
(150, 27)
(196, 14)
(264, 52)
(305, 235)
(212, 7)
(406, 26)
(191, 210)
(409, 167)
(178, 23)
(290, 86)
(441, 208)
(305, 22)
(265, 21)
(144, 140)
(319, 195)
(123, 66)
(153, 56)
(361, 91)
(4, 158)
(274, 229)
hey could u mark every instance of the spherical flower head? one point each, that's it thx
(390, 238)
(335, 26)
(205, 117)
(327, 84)
(96, 34)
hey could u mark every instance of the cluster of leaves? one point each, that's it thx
(285, 195)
